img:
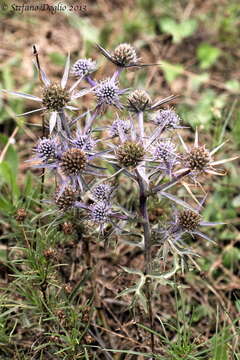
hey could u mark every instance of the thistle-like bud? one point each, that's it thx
(168, 118)
(188, 220)
(107, 92)
(68, 228)
(66, 200)
(83, 67)
(100, 212)
(164, 151)
(50, 254)
(198, 158)
(46, 149)
(102, 192)
(54, 97)
(73, 162)
(118, 125)
(124, 54)
(130, 154)
(138, 101)
(21, 214)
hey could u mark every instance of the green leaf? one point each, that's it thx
(127, 291)
(8, 176)
(180, 30)
(207, 55)
(5, 205)
(220, 345)
(231, 257)
(171, 71)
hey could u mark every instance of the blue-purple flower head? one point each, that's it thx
(164, 151)
(119, 126)
(102, 192)
(167, 118)
(83, 67)
(108, 92)
(100, 212)
(83, 141)
(46, 149)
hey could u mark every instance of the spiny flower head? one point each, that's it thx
(168, 118)
(46, 149)
(73, 162)
(130, 154)
(84, 142)
(164, 151)
(107, 92)
(188, 220)
(102, 192)
(66, 199)
(198, 158)
(138, 101)
(54, 97)
(100, 212)
(124, 54)
(83, 67)
(119, 125)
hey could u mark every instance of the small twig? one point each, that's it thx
(3, 153)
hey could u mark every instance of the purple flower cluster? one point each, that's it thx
(146, 149)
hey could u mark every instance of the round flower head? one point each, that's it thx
(168, 118)
(102, 192)
(73, 162)
(138, 101)
(84, 142)
(119, 125)
(107, 93)
(100, 212)
(46, 149)
(54, 97)
(130, 154)
(66, 199)
(188, 220)
(164, 151)
(83, 67)
(198, 158)
(124, 55)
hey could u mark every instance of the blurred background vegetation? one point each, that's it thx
(197, 46)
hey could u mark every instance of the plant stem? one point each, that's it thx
(143, 197)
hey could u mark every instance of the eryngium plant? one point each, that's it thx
(141, 143)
